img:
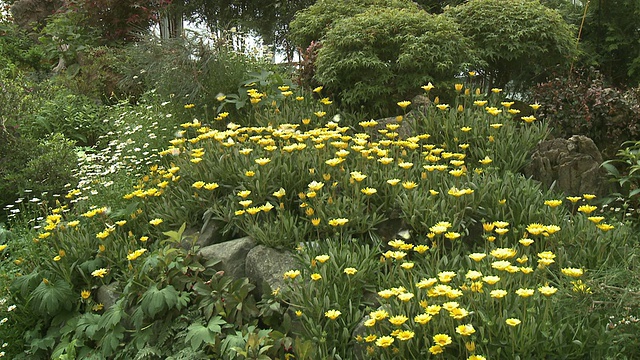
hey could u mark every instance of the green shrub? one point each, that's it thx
(313, 23)
(188, 71)
(376, 58)
(521, 41)
(582, 103)
(78, 117)
(49, 169)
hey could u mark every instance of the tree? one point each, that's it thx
(267, 18)
(611, 40)
(520, 40)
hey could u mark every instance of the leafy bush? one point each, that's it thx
(78, 117)
(583, 104)
(313, 23)
(520, 41)
(184, 72)
(624, 171)
(376, 58)
(48, 170)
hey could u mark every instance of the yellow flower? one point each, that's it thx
(320, 113)
(528, 119)
(409, 185)
(595, 219)
(266, 207)
(99, 273)
(574, 199)
(136, 254)
(407, 265)
(317, 90)
(262, 161)
(496, 90)
(493, 111)
(485, 161)
(503, 253)
(513, 322)
(245, 203)
(398, 320)
(442, 339)
(477, 256)
(316, 276)
(572, 272)
(405, 335)
(379, 315)
(587, 209)
(491, 279)
(588, 196)
(156, 222)
(338, 222)
(425, 283)
(198, 184)
(524, 292)
(535, 229)
(446, 276)
(322, 258)
(332, 314)
(535, 106)
(384, 341)
(604, 227)
(211, 186)
(368, 191)
(85, 294)
(291, 274)
(498, 293)
(451, 235)
(428, 87)
(404, 104)
(315, 221)
(393, 182)
(547, 290)
(465, 330)
(405, 297)
(244, 193)
(436, 349)
(442, 107)
(280, 193)
(350, 271)
(102, 234)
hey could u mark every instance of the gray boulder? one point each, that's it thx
(572, 164)
(107, 295)
(265, 268)
(232, 255)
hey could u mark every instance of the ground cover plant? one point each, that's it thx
(487, 263)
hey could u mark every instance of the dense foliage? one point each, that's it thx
(314, 22)
(381, 56)
(583, 103)
(521, 41)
